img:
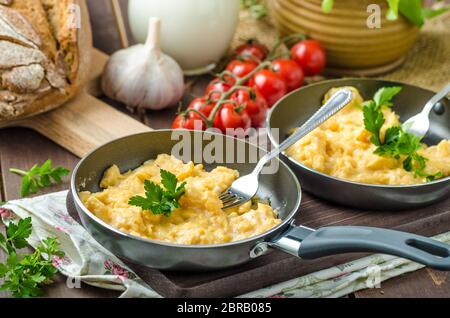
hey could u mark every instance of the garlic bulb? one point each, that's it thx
(142, 76)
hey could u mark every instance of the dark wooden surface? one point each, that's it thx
(22, 148)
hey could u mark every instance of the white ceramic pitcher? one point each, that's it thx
(196, 33)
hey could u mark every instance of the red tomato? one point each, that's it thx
(189, 121)
(241, 68)
(252, 48)
(233, 117)
(270, 85)
(290, 72)
(254, 103)
(203, 105)
(217, 87)
(310, 55)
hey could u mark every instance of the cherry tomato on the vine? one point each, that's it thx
(310, 55)
(232, 117)
(254, 103)
(190, 120)
(290, 72)
(270, 85)
(217, 87)
(241, 68)
(203, 105)
(253, 50)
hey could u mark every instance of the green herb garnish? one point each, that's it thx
(327, 5)
(157, 200)
(397, 143)
(23, 275)
(39, 177)
(384, 96)
(373, 121)
(412, 10)
(257, 8)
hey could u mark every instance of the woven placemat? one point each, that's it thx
(427, 64)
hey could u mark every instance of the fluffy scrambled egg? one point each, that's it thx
(199, 220)
(341, 148)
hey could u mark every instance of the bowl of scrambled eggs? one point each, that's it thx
(361, 157)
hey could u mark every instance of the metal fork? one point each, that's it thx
(420, 124)
(245, 188)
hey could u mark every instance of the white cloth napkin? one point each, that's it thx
(89, 262)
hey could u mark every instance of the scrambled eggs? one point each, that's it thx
(199, 220)
(341, 147)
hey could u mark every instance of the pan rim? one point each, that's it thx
(362, 184)
(79, 204)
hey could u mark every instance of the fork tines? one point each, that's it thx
(230, 199)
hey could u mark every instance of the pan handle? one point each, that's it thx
(307, 243)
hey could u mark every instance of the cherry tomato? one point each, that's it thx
(233, 117)
(217, 87)
(310, 55)
(253, 50)
(203, 105)
(254, 103)
(270, 85)
(241, 68)
(290, 72)
(191, 121)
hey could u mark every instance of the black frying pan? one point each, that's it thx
(294, 109)
(283, 190)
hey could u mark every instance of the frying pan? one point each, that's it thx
(294, 109)
(281, 188)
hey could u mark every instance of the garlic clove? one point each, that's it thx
(142, 76)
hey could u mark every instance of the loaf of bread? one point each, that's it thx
(45, 50)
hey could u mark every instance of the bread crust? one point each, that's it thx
(76, 76)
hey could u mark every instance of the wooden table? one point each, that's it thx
(22, 148)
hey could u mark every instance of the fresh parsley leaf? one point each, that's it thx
(429, 13)
(17, 234)
(412, 10)
(159, 200)
(373, 121)
(392, 13)
(384, 96)
(3, 270)
(327, 5)
(435, 176)
(397, 143)
(257, 8)
(23, 275)
(408, 164)
(169, 180)
(39, 177)
(392, 134)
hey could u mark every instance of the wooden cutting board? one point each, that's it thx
(85, 122)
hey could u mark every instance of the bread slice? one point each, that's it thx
(45, 50)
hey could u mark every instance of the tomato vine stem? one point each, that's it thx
(283, 40)
(240, 82)
(235, 87)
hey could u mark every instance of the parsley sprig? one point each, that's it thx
(157, 200)
(257, 8)
(413, 10)
(39, 177)
(23, 275)
(397, 143)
